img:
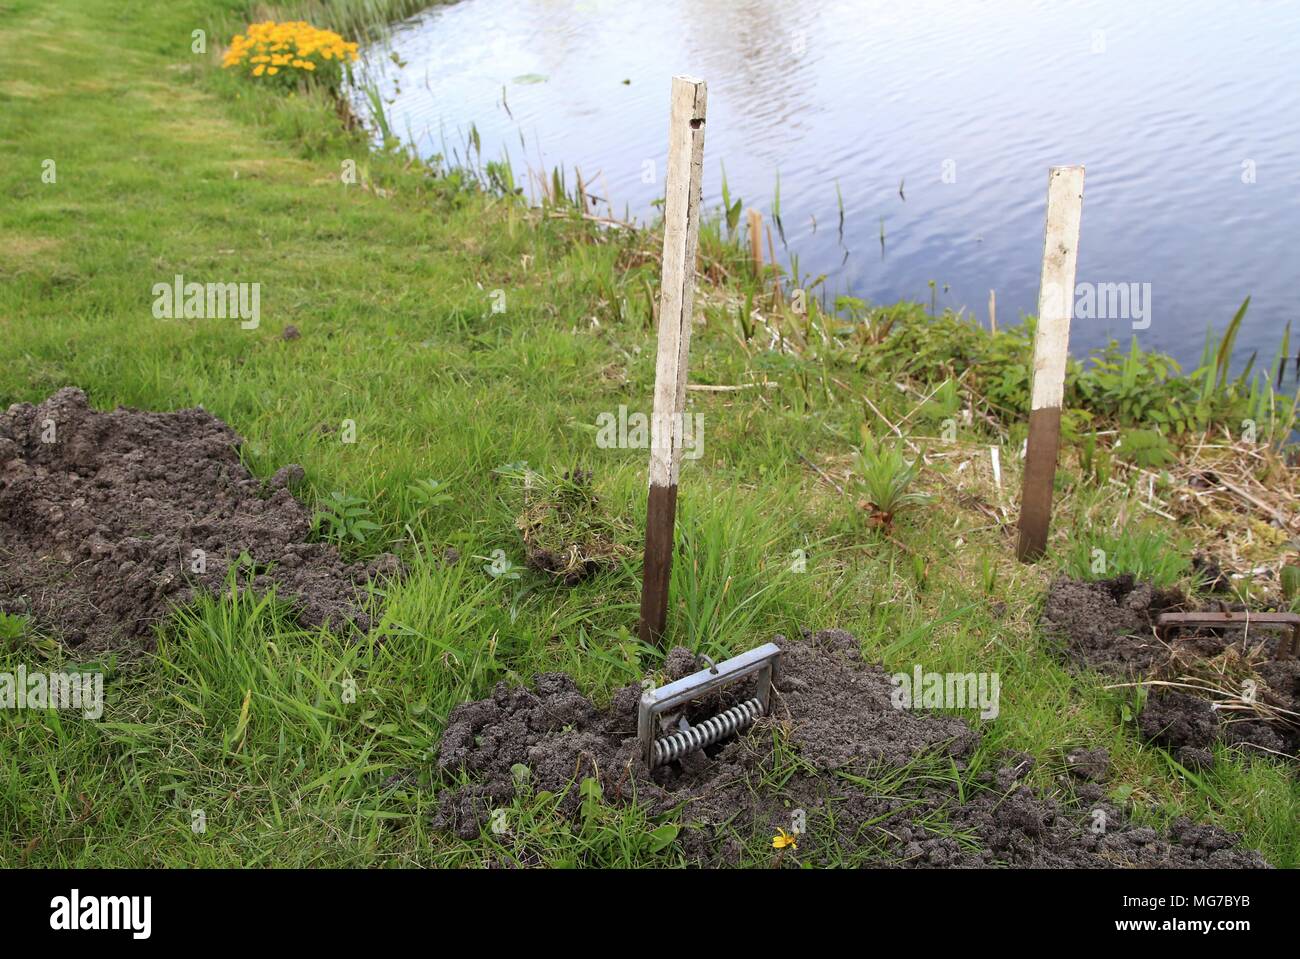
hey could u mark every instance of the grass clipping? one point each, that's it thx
(565, 532)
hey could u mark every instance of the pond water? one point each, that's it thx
(936, 122)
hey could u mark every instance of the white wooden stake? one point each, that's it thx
(676, 301)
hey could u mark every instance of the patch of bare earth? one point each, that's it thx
(1203, 685)
(101, 515)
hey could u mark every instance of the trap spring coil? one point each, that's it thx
(679, 744)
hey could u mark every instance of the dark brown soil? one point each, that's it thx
(567, 566)
(1109, 626)
(1092, 765)
(834, 712)
(98, 527)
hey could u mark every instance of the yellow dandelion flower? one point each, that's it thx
(257, 70)
(782, 839)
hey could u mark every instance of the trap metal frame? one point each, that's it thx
(1167, 624)
(764, 662)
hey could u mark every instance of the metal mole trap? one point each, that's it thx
(1169, 623)
(657, 706)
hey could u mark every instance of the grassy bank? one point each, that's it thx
(165, 166)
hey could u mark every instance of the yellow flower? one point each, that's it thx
(782, 839)
(257, 70)
(294, 43)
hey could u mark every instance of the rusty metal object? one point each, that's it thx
(1169, 623)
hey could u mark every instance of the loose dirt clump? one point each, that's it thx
(1205, 685)
(875, 783)
(564, 530)
(1092, 765)
(100, 515)
(1182, 723)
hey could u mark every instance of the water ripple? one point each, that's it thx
(966, 105)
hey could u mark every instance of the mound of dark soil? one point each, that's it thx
(100, 515)
(835, 713)
(1110, 626)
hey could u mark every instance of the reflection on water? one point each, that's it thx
(937, 121)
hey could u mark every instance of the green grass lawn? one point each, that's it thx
(164, 166)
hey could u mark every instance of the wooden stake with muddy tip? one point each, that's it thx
(1051, 347)
(676, 301)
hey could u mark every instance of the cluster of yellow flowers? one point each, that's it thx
(269, 48)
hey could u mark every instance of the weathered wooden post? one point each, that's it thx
(756, 241)
(681, 237)
(1051, 346)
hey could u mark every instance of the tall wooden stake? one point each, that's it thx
(1051, 346)
(681, 237)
